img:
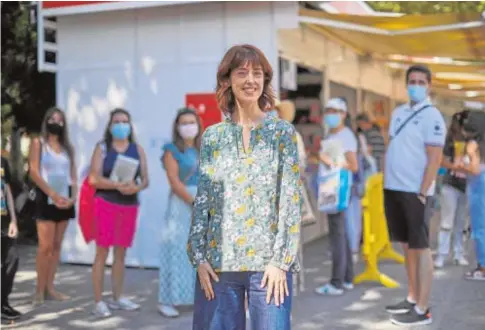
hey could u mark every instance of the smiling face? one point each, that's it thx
(247, 83)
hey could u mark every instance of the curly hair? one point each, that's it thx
(236, 57)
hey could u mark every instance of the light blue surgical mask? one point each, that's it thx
(120, 131)
(333, 120)
(417, 93)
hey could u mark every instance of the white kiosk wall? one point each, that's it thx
(147, 60)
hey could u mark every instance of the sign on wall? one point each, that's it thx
(206, 106)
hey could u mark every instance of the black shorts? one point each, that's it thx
(407, 218)
(49, 212)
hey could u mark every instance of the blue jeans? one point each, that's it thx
(226, 311)
(476, 202)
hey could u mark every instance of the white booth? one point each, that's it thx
(145, 57)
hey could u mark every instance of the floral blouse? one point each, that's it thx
(247, 210)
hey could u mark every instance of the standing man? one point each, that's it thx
(417, 135)
(374, 139)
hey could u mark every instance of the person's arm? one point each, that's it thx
(434, 139)
(96, 177)
(351, 147)
(473, 153)
(177, 186)
(197, 243)
(289, 209)
(12, 230)
(143, 170)
(34, 168)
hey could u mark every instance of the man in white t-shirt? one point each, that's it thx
(339, 148)
(417, 135)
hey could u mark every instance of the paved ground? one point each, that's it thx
(457, 304)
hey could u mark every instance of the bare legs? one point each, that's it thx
(117, 272)
(50, 235)
(419, 267)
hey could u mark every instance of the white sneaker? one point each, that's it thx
(348, 286)
(461, 261)
(439, 262)
(123, 304)
(101, 310)
(168, 311)
(329, 290)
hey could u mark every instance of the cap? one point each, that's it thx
(337, 104)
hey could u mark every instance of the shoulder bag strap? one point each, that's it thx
(409, 119)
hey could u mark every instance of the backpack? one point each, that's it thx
(86, 204)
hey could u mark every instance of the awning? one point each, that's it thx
(457, 36)
(451, 45)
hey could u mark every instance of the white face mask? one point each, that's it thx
(188, 131)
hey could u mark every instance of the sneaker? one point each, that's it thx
(348, 286)
(461, 261)
(101, 310)
(124, 304)
(477, 274)
(168, 311)
(439, 262)
(329, 290)
(400, 308)
(412, 318)
(9, 313)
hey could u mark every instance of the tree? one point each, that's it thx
(26, 93)
(428, 7)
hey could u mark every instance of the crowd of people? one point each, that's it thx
(231, 231)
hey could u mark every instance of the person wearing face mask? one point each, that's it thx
(342, 153)
(115, 205)
(180, 160)
(417, 135)
(53, 171)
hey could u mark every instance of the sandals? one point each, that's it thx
(476, 275)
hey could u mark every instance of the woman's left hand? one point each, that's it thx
(274, 279)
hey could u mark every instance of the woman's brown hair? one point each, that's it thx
(63, 137)
(236, 57)
(176, 138)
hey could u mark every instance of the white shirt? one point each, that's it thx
(406, 158)
(341, 142)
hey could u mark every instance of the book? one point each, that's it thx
(60, 184)
(124, 169)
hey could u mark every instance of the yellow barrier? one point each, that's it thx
(376, 244)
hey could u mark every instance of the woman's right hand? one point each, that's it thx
(206, 274)
(60, 202)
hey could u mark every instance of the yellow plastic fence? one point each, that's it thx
(376, 244)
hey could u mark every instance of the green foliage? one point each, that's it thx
(428, 7)
(26, 93)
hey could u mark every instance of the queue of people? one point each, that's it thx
(231, 231)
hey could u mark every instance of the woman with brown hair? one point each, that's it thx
(53, 170)
(246, 226)
(118, 172)
(180, 160)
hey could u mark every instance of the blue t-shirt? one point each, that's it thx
(188, 162)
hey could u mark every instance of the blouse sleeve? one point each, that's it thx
(290, 192)
(197, 243)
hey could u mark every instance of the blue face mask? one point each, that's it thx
(417, 93)
(120, 131)
(333, 120)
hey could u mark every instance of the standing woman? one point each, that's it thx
(246, 226)
(180, 160)
(474, 166)
(53, 170)
(115, 207)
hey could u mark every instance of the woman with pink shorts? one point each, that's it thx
(113, 163)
